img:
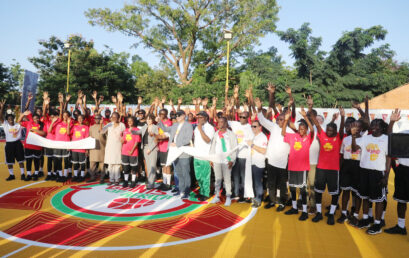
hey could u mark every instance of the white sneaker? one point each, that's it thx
(228, 201)
(215, 200)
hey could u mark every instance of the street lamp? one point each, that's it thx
(67, 45)
(227, 36)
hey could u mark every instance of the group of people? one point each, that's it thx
(266, 154)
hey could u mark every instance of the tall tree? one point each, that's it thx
(183, 31)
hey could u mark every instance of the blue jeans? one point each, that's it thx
(182, 170)
(238, 171)
(257, 182)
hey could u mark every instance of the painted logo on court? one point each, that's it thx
(117, 203)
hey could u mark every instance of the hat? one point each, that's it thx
(203, 113)
(180, 112)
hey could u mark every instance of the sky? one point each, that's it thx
(25, 22)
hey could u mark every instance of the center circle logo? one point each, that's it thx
(117, 203)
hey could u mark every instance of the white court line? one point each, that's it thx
(21, 187)
(16, 251)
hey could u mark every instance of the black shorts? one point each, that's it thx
(78, 157)
(349, 175)
(14, 152)
(401, 184)
(129, 160)
(33, 154)
(49, 152)
(297, 179)
(163, 156)
(329, 178)
(58, 153)
(370, 185)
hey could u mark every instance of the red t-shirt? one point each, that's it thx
(30, 125)
(299, 158)
(61, 133)
(163, 144)
(129, 141)
(47, 122)
(79, 132)
(329, 151)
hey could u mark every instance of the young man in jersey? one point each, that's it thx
(327, 173)
(298, 161)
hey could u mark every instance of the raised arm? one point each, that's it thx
(342, 124)
(29, 98)
(354, 131)
(304, 115)
(286, 119)
(269, 125)
(2, 103)
(179, 103)
(395, 116)
(61, 101)
(292, 101)
(271, 97)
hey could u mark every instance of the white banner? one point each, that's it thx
(34, 139)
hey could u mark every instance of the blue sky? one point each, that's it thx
(25, 22)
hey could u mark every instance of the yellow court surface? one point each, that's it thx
(48, 219)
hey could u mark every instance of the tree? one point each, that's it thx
(9, 84)
(105, 72)
(187, 31)
(304, 48)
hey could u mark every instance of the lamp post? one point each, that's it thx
(67, 45)
(227, 36)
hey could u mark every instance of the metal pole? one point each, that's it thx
(227, 72)
(68, 69)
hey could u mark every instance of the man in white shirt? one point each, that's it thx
(258, 147)
(277, 158)
(203, 134)
(223, 141)
(243, 132)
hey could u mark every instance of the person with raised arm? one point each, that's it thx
(277, 159)
(130, 152)
(298, 160)
(13, 150)
(327, 174)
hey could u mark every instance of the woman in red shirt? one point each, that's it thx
(62, 127)
(32, 153)
(78, 157)
(130, 151)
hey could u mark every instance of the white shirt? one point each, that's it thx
(13, 133)
(346, 148)
(373, 152)
(219, 148)
(277, 149)
(200, 145)
(243, 133)
(258, 159)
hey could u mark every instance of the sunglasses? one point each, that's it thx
(244, 117)
(179, 115)
(140, 113)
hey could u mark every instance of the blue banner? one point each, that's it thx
(30, 87)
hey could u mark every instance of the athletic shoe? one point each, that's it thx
(184, 196)
(116, 183)
(215, 200)
(256, 204)
(383, 223)
(248, 200)
(342, 219)
(396, 230)
(241, 200)
(174, 190)
(11, 177)
(202, 198)
(176, 193)
(40, 174)
(280, 207)
(267, 198)
(125, 184)
(330, 220)
(74, 179)
(353, 221)
(49, 178)
(35, 177)
(304, 216)
(289, 203)
(374, 229)
(166, 188)
(234, 197)
(110, 183)
(363, 223)
(268, 205)
(291, 211)
(53, 177)
(23, 177)
(102, 181)
(133, 184)
(28, 178)
(317, 217)
(80, 179)
(61, 179)
(228, 202)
